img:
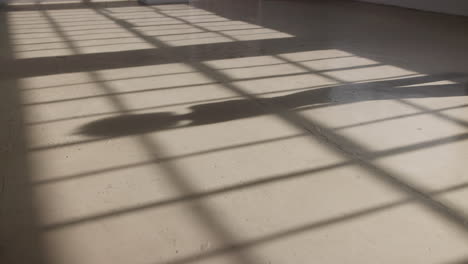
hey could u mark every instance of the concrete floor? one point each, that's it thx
(233, 132)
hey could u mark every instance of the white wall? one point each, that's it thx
(457, 7)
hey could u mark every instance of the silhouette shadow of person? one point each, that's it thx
(212, 113)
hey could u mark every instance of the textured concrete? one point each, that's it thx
(232, 132)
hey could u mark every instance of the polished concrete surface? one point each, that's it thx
(232, 132)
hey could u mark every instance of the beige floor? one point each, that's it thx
(233, 132)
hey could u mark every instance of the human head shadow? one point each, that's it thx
(212, 113)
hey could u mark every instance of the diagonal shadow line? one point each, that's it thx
(164, 159)
(71, 18)
(156, 43)
(156, 19)
(344, 147)
(196, 84)
(160, 33)
(372, 155)
(152, 24)
(130, 110)
(194, 21)
(62, 23)
(41, 18)
(60, 33)
(242, 245)
(50, 30)
(197, 25)
(275, 236)
(154, 56)
(27, 41)
(194, 102)
(92, 30)
(281, 63)
(123, 25)
(79, 5)
(117, 33)
(201, 212)
(337, 145)
(363, 153)
(152, 41)
(76, 18)
(272, 179)
(191, 197)
(41, 27)
(213, 16)
(25, 90)
(151, 15)
(26, 51)
(402, 82)
(149, 33)
(437, 114)
(183, 72)
(237, 37)
(418, 146)
(400, 117)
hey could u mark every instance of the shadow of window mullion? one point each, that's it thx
(438, 114)
(344, 147)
